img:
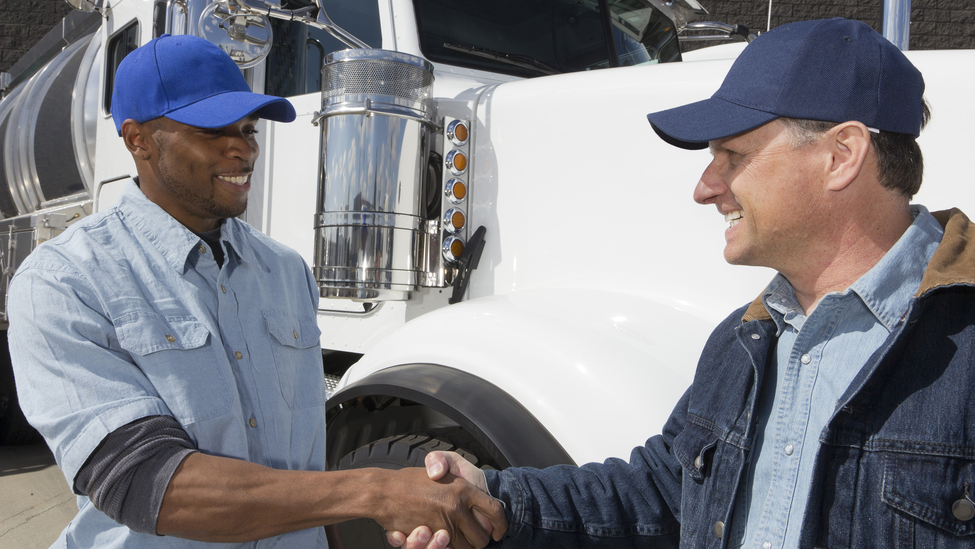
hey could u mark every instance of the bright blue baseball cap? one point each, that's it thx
(834, 70)
(189, 80)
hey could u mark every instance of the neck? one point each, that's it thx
(851, 253)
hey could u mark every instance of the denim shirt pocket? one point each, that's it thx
(938, 491)
(175, 355)
(297, 358)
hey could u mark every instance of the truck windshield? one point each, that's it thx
(538, 37)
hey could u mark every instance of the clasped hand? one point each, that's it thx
(469, 516)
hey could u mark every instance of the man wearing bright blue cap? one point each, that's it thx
(169, 353)
(833, 411)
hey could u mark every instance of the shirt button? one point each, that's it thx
(767, 545)
(202, 249)
(295, 332)
(698, 462)
(963, 510)
(789, 449)
(719, 529)
(805, 359)
(222, 289)
(253, 422)
(238, 356)
(170, 338)
(756, 336)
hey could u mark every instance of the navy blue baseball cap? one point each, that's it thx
(834, 70)
(189, 80)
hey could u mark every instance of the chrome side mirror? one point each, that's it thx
(86, 5)
(246, 37)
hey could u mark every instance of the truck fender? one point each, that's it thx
(497, 421)
(599, 370)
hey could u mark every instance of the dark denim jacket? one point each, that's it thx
(896, 467)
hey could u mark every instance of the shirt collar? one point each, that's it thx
(885, 289)
(173, 240)
(232, 232)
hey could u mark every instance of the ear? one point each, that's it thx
(849, 147)
(138, 139)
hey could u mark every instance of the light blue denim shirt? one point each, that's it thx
(127, 315)
(815, 361)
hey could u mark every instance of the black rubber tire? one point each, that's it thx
(14, 429)
(394, 452)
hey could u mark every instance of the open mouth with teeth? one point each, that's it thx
(733, 218)
(235, 179)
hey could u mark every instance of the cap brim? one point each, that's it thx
(692, 126)
(226, 108)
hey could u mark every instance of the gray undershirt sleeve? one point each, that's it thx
(127, 475)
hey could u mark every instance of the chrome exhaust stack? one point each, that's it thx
(372, 239)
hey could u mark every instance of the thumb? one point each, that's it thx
(437, 465)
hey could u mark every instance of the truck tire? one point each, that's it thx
(394, 452)
(14, 429)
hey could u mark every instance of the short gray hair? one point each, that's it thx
(900, 165)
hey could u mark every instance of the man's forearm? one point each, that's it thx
(220, 499)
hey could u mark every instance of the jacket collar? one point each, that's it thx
(953, 262)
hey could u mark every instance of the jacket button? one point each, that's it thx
(963, 510)
(756, 336)
(719, 529)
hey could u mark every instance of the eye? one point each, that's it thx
(735, 158)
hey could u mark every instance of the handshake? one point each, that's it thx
(465, 515)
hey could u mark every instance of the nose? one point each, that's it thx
(710, 186)
(242, 146)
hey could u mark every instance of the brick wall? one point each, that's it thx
(935, 24)
(23, 23)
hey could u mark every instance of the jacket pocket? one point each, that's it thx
(297, 358)
(937, 491)
(175, 355)
(694, 448)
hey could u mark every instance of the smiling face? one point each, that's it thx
(771, 193)
(198, 175)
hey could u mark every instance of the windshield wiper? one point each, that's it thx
(516, 60)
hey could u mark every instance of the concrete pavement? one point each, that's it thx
(35, 501)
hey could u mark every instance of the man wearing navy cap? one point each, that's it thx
(833, 411)
(169, 353)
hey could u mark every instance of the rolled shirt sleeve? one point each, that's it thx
(75, 382)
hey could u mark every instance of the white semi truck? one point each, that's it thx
(509, 258)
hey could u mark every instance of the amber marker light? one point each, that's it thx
(454, 220)
(457, 132)
(456, 162)
(453, 248)
(456, 191)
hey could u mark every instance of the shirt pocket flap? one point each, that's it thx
(937, 490)
(290, 331)
(144, 333)
(694, 448)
